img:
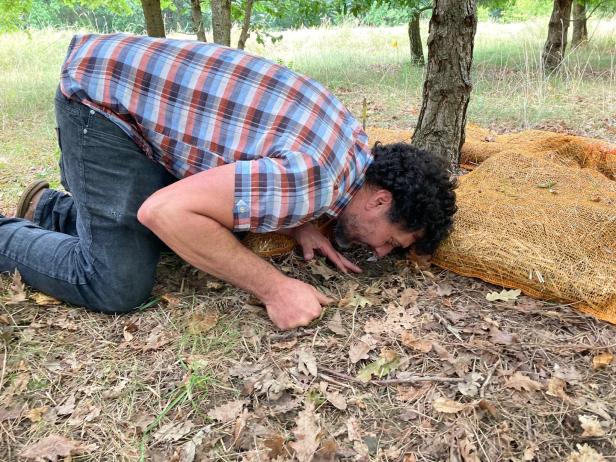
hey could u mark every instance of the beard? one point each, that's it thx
(342, 234)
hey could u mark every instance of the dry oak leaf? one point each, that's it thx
(200, 323)
(502, 338)
(85, 412)
(585, 453)
(334, 397)
(10, 413)
(17, 290)
(409, 393)
(592, 427)
(556, 387)
(409, 340)
(157, 339)
(602, 360)
(67, 408)
(519, 381)
(320, 268)
(54, 446)
(408, 297)
(307, 431)
(448, 406)
(173, 431)
(36, 414)
(360, 349)
(504, 295)
(42, 299)
(335, 324)
(306, 362)
(228, 411)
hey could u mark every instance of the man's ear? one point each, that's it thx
(379, 198)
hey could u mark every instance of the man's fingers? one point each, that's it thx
(334, 257)
(308, 253)
(350, 265)
(323, 299)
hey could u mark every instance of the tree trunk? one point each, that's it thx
(241, 43)
(197, 19)
(447, 87)
(556, 43)
(221, 21)
(153, 18)
(417, 56)
(580, 33)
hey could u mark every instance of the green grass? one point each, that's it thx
(354, 62)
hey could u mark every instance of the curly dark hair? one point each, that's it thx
(423, 193)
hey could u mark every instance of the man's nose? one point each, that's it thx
(383, 250)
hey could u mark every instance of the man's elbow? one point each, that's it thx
(151, 211)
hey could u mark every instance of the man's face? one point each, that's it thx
(372, 228)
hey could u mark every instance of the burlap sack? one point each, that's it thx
(544, 228)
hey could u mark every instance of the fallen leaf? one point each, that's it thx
(4, 319)
(170, 299)
(334, 397)
(307, 432)
(504, 295)
(318, 267)
(353, 429)
(470, 387)
(173, 431)
(84, 412)
(36, 414)
(115, 391)
(386, 363)
(335, 324)
(360, 349)
(54, 446)
(468, 451)
(410, 393)
(396, 320)
(306, 362)
(157, 339)
(602, 360)
(591, 426)
(444, 290)
(519, 381)
(409, 340)
(10, 413)
(408, 297)
(68, 407)
(128, 330)
(556, 387)
(200, 323)
(530, 453)
(239, 426)
(502, 338)
(585, 453)
(227, 412)
(448, 406)
(275, 444)
(42, 299)
(17, 290)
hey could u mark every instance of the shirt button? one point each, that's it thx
(242, 209)
(92, 111)
(85, 131)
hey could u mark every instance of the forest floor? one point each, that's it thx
(408, 365)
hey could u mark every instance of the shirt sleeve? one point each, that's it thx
(272, 193)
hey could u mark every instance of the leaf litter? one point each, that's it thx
(203, 378)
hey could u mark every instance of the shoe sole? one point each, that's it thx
(26, 197)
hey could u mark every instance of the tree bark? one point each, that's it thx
(221, 21)
(417, 56)
(241, 43)
(447, 86)
(154, 23)
(197, 19)
(580, 33)
(556, 43)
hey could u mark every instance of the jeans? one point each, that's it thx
(88, 248)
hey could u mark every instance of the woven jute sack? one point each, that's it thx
(530, 223)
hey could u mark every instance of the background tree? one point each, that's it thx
(197, 19)
(221, 21)
(578, 17)
(556, 43)
(153, 18)
(447, 85)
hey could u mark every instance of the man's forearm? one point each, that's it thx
(209, 246)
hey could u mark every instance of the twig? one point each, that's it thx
(387, 382)
(482, 391)
(291, 334)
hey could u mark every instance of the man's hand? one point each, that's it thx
(294, 303)
(311, 239)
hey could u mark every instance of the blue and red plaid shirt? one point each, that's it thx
(191, 106)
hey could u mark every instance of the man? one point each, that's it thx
(186, 142)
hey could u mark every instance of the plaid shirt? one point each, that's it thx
(191, 106)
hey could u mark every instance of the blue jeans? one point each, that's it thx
(87, 248)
